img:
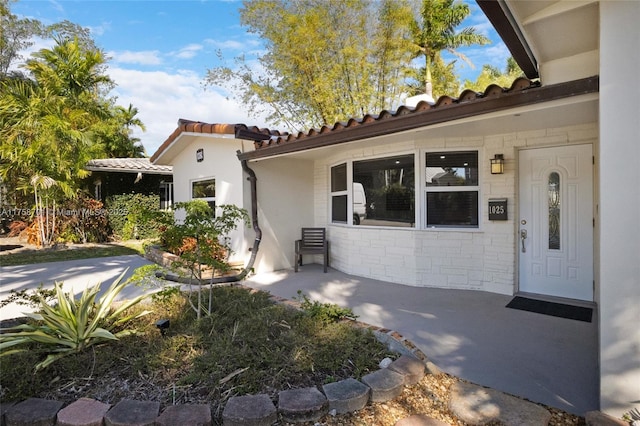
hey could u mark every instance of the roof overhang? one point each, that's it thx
(505, 25)
(188, 131)
(554, 40)
(430, 118)
(128, 165)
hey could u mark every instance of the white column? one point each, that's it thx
(619, 167)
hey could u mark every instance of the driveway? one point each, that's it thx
(76, 275)
(469, 334)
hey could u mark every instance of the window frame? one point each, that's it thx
(425, 189)
(414, 224)
(166, 191)
(209, 200)
(421, 189)
(340, 193)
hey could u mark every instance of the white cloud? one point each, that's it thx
(143, 57)
(225, 44)
(56, 5)
(479, 21)
(100, 29)
(495, 55)
(188, 51)
(162, 98)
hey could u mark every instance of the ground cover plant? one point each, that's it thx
(247, 345)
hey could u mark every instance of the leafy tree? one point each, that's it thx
(201, 241)
(68, 69)
(67, 30)
(116, 133)
(444, 79)
(18, 34)
(325, 60)
(54, 122)
(15, 35)
(492, 75)
(436, 30)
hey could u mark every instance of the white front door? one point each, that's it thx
(555, 235)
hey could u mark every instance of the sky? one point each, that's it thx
(160, 50)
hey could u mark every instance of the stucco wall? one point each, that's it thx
(285, 204)
(478, 259)
(620, 207)
(220, 162)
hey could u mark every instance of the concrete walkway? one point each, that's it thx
(469, 334)
(76, 275)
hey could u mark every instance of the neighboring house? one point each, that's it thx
(114, 176)
(561, 221)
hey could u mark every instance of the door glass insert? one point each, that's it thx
(554, 211)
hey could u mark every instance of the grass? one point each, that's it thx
(248, 345)
(78, 252)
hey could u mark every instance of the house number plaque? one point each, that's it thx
(498, 209)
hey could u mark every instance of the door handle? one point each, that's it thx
(523, 236)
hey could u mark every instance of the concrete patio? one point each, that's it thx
(469, 334)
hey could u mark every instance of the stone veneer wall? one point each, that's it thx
(474, 259)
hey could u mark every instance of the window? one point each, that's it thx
(554, 211)
(452, 189)
(386, 190)
(98, 190)
(166, 195)
(205, 190)
(339, 193)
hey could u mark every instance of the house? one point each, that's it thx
(532, 189)
(114, 176)
(205, 166)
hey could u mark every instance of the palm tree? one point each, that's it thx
(129, 117)
(117, 133)
(70, 70)
(436, 32)
(46, 122)
(46, 217)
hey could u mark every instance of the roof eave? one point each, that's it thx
(122, 170)
(505, 24)
(420, 119)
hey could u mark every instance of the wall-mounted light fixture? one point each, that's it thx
(497, 164)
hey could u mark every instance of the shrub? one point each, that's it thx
(16, 227)
(135, 216)
(83, 220)
(324, 312)
(76, 220)
(71, 326)
(201, 241)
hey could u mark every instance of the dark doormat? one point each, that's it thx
(561, 310)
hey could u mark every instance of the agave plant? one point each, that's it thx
(70, 326)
